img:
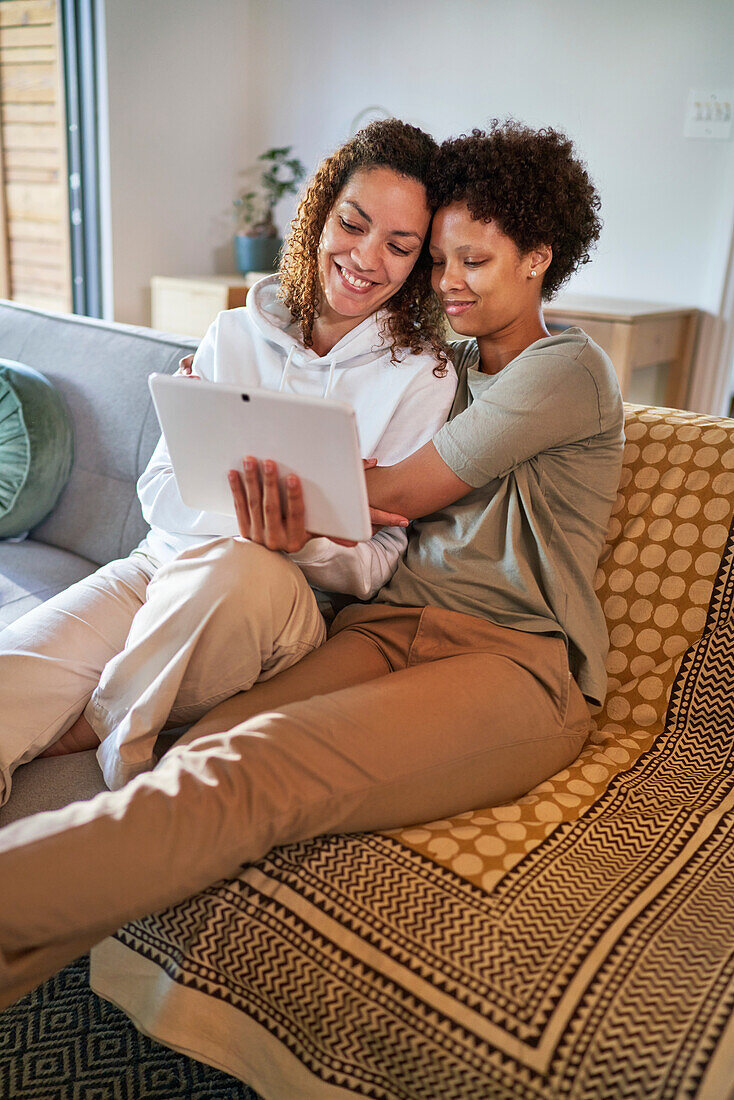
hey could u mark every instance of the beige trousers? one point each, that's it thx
(215, 620)
(136, 647)
(51, 658)
(402, 716)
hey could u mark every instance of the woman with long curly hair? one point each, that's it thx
(194, 614)
(468, 679)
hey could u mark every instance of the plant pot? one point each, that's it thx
(256, 253)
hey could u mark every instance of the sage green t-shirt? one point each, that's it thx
(541, 443)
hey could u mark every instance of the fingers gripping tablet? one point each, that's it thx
(210, 427)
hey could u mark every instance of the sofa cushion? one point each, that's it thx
(31, 572)
(51, 782)
(36, 447)
(101, 370)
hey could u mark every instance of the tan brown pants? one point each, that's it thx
(403, 716)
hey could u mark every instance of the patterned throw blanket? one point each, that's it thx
(577, 943)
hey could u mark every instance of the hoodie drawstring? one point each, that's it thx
(284, 375)
(330, 379)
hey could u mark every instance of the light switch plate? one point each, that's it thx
(709, 114)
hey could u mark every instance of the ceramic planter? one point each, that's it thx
(256, 253)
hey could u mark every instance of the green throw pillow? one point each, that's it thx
(36, 447)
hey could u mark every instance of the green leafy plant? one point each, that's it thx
(280, 175)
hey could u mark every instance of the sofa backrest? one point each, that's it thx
(667, 533)
(101, 370)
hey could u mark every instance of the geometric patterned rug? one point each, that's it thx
(63, 1042)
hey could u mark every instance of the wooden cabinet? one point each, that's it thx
(650, 345)
(188, 306)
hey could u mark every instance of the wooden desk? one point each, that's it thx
(188, 305)
(650, 345)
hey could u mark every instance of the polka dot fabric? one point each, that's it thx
(666, 535)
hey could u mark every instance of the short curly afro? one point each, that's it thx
(531, 183)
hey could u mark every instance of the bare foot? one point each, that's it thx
(78, 738)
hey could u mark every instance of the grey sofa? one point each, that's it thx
(101, 370)
(574, 943)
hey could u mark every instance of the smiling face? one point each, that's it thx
(370, 242)
(482, 279)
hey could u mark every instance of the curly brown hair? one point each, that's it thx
(531, 183)
(414, 317)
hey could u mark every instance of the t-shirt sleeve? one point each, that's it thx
(543, 401)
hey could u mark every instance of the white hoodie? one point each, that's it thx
(398, 407)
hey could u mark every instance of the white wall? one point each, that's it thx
(614, 75)
(197, 90)
(179, 121)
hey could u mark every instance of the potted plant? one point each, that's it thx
(256, 241)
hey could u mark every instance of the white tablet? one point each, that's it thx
(210, 427)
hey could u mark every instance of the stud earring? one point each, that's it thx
(533, 274)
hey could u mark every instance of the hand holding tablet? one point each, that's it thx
(209, 428)
(262, 514)
(276, 523)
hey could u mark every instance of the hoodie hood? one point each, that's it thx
(274, 322)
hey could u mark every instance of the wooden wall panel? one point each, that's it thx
(35, 202)
(34, 211)
(26, 137)
(32, 166)
(33, 113)
(31, 54)
(30, 82)
(23, 37)
(41, 232)
(24, 13)
(4, 239)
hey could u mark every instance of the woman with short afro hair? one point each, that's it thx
(529, 182)
(468, 679)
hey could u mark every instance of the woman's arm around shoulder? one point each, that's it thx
(537, 403)
(419, 485)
